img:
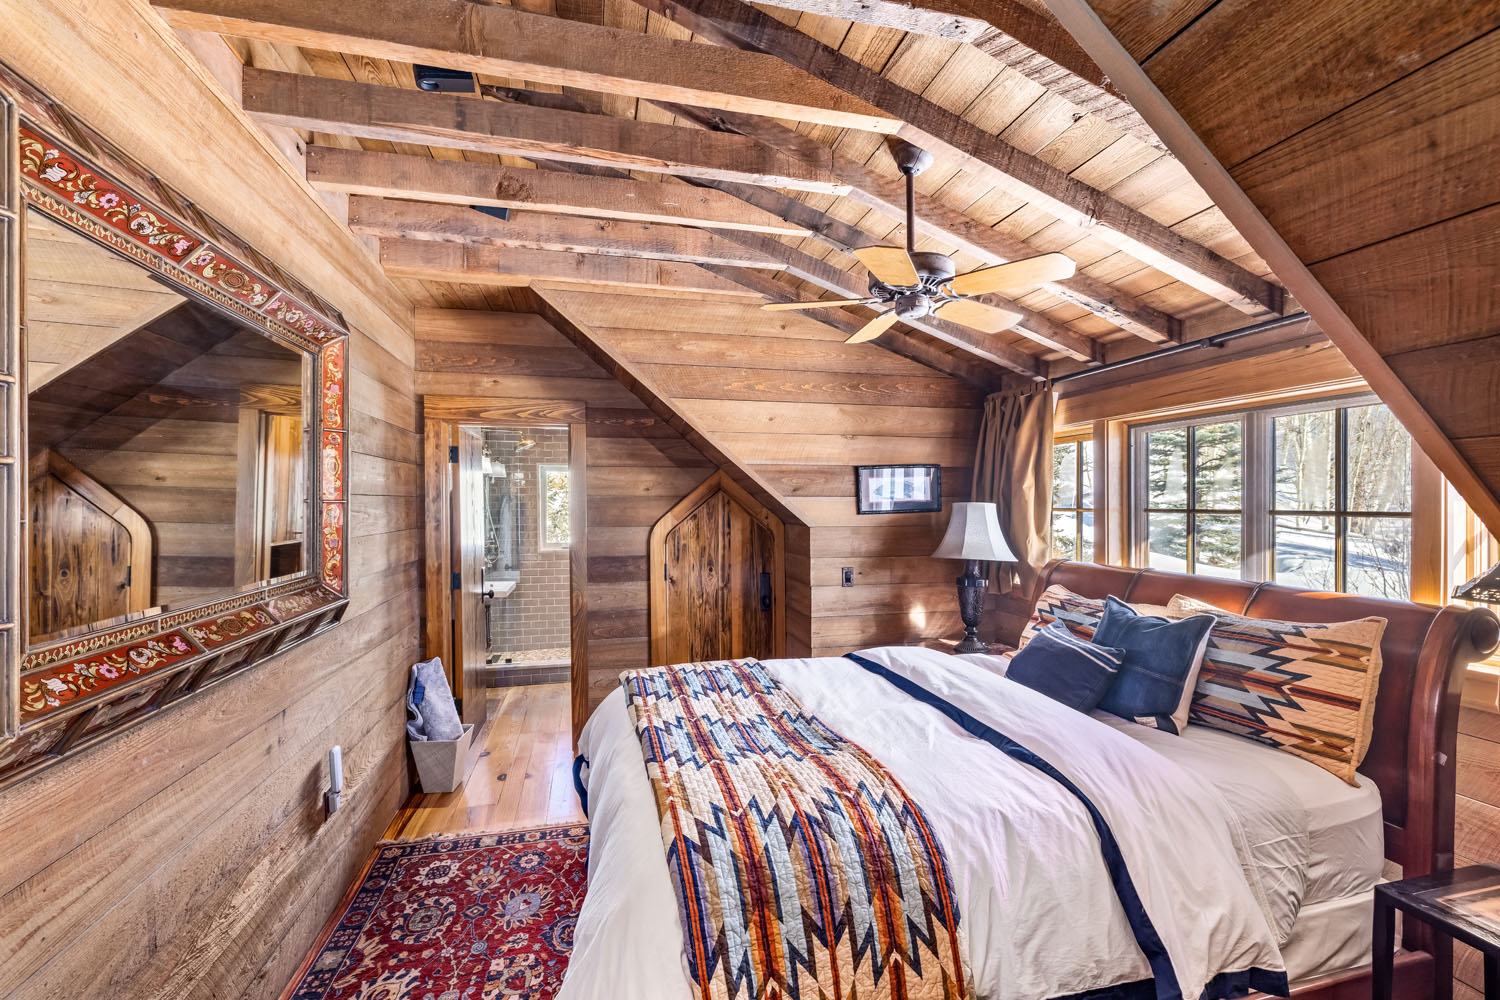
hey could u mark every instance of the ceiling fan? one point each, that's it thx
(916, 284)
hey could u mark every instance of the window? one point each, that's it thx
(1073, 500)
(554, 531)
(1315, 495)
(1341, 503)
(1194, 490)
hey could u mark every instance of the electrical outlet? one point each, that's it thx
(848, 576)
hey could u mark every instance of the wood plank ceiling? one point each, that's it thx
(1354, 143)
(710, 148)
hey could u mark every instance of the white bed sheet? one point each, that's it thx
(1346, 830)
(1330, 936)
(1344, 823)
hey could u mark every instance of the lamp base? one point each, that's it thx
(971, 588)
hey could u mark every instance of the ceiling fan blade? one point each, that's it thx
(821, 304)
(1015, 274)
(890, 265)
(987, 318)
(874, 328)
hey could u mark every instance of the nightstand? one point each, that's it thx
(1463, 904)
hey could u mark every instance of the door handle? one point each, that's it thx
(765, 591)
(489, 593)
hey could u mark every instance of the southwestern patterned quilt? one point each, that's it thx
(802, 868)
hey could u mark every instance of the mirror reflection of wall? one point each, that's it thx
(166, 442)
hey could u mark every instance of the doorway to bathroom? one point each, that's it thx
(526, 506)
(506, 606)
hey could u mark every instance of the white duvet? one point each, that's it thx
(1039, 917)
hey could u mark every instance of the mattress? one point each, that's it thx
(1330, 936)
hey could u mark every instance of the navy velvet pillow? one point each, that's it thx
(1066, 668)
(1162, 659)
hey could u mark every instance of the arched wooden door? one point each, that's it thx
(90, 552)
(717, 563)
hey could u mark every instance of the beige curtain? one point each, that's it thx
(1013, 470)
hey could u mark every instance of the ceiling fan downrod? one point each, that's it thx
(911, 161)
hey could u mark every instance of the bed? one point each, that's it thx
(1291, 850)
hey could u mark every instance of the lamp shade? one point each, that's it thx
(974, 533)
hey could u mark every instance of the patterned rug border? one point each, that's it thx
(564, 829)
(340, 908)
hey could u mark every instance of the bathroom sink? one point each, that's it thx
(498, 590)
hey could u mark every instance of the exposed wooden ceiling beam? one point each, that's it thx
(390, 219)
(458, 182)
(934, 219)
(951, 19)
(460, 122)
(960, 364)
(482, 264)
(504, 41)
(896, 341)
(1031, 42)
(961, 143)
(1028, 40)
(825, 275)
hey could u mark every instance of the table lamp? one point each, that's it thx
(974, 536)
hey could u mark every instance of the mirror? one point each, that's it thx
(166, 440)
(173, 442)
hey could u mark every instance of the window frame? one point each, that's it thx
(1140, 514)
(1085, 445)
(1257, 511)
(542, 544)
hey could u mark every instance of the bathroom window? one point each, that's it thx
(552, 507)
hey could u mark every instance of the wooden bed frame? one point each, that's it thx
(1411, 757)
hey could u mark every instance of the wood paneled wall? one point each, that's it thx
(191, 857)
(637, 466)
(785, 398)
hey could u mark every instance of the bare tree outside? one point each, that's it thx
(1340, 498)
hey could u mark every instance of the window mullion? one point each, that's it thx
(1257, 484)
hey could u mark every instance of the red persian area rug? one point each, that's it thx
(469, 917)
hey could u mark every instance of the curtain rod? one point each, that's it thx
(1217, 340)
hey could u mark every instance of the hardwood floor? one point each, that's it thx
(523, 778)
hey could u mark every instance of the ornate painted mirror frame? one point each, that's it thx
(60, 697)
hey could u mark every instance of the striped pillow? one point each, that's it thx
(1065, 668)
(1308, 689)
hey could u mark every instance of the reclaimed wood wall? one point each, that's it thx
(784, 398)
(637, 466)
(192, 857)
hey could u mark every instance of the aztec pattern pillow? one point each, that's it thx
(1080, 614)
(1065, 668)
(1304, 688)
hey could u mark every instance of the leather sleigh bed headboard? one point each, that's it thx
(1424, 654)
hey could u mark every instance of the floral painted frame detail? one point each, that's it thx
(60, 697)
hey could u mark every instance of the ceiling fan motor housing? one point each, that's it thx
(913, 305)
